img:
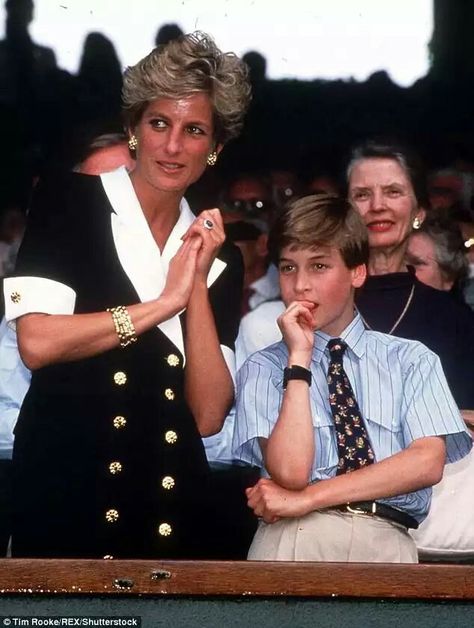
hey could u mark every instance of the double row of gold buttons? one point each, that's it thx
(168, 482)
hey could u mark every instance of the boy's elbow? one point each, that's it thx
(291, 479)
(436, 473)
(295, 484)
(434, 460)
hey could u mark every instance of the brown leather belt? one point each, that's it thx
(379, 510)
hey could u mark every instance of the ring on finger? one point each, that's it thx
(208, 224)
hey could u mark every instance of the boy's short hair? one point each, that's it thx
(321, 220)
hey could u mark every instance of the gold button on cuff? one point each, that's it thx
(108, 557)
(120, 378)
(171, 437)
(169, 394)
(115, 467)
(112, 515)
(172, 360)
(15, 297)
(164, 529)
(119, 422)
(168, 482)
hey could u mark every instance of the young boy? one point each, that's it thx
(351, 427)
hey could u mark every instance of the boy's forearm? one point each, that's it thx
(289, 451)
(418, 466)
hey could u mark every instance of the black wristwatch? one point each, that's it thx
(296, 372)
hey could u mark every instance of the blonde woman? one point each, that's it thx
(126, 309)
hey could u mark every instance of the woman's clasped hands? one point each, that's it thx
(209, 227)
(194, 258)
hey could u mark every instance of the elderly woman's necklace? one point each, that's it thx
(400, 318)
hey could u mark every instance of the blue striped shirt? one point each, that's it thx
(400, 388)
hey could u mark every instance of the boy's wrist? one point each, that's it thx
(296, 372)
(300, 358)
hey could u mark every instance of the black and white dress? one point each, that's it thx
(107, 459)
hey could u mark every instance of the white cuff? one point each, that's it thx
(229, 357)
(25, 295)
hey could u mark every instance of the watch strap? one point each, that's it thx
(296, 372)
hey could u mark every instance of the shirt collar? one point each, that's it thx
(354, 335)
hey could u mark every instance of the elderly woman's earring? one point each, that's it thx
(132, 143)
(212, 158)
(416, 223)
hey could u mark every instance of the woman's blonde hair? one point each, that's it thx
(189, 65)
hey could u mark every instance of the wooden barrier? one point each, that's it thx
(203, 578)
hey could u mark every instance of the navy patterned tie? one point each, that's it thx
(353, 445)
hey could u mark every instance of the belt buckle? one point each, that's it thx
(359, 511)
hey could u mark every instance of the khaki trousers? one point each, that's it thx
(334, 536)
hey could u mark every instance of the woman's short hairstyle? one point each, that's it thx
(406, 158)
(321, 220)
(450, 252)
(188, 65)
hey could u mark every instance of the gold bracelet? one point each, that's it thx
(123, 325)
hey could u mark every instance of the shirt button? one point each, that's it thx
(120, 378)
(119, 422)
(15, 297)
(112, 515)
(169, 394)
(171, 437)
(164, 529)
(115, 467)
(172, 360)
(168, 482)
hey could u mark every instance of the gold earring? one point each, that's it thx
(212, 158)
(416, 223)
(132, 143)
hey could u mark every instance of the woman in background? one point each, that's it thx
(437, 253)
(386, 184)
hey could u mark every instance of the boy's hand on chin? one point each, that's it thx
(297, 327)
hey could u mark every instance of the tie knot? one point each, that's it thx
(336, 348)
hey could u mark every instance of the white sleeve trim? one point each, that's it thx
(25, 295)
(229, 357)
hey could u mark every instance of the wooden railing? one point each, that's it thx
(203, 578)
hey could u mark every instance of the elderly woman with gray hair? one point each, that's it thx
(386, 185)
(126, 308)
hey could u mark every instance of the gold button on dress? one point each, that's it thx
(169, 394)
(164, 529)
(112, 515)
(168, 482)
(15, 297)
(171, 437)
(119, 422)
(172, 359)
(120, 378)
(115, 467)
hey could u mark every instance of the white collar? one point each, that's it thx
(139, 255)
